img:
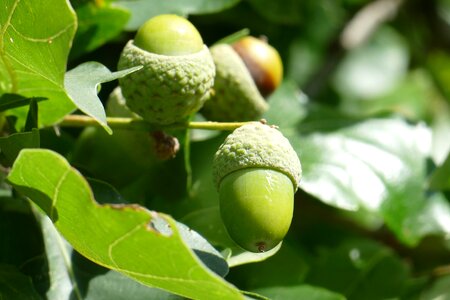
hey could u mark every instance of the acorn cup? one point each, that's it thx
(257, 173)
(177, 75)
(246, 73)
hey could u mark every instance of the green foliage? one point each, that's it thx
(82, 84)
(440, 179)
(15, 285)
(11, 145)
(365, 103)
(372, 271)
(98, 23)
(299, 292)
(142, 10)
(358, 167)
(115, 235)
(33, 58)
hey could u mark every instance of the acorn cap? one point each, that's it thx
(168, 88)
(116, 106)
(236, 97)
(256, 145)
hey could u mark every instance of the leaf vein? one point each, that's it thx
(145, 275)
(56, 191)
(43, 40)
(118, 240)
(167, 278)
(7, 64)
(8, 20)
(34, 71)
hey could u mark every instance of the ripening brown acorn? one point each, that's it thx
(263, 62)
(246, 72)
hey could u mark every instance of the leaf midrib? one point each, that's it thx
(7, 64)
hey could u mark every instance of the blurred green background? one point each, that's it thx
(365, 102)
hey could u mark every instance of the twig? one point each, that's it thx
(360, 28)
(367, 20)
(441, 271)
(137, 124)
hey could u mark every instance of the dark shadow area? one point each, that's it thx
(21, 242)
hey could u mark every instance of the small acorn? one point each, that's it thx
(246, 72)
(257, 173)
(177, 74)
(263, 62)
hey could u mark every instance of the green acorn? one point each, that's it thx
(257, 173)
(246, 72)
(178, 71)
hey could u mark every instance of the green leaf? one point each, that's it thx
(440, 289)
(11, 145)
(119, 237)
(376, 165)
(72, 274)
(204, 251)
(33, 57)
(286, 108)
(113, 285)
(360, 269)
(303, 61)
(8, 101)
(237, 256)
(60, 266)
(142, 10)
(32, 117)
(373, 69)
(97, 24)
(81, 84)
(414, 98)
(441, 134)
(208, 222)
(440, 179)
(234, 37)
(287, 12)
(105, 193)
(22, 247)
(438, 64)
(299, 292)
(443, 7)
(272, 272)
(20, 235)
(15, 285)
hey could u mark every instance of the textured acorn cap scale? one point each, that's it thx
(117, 105)
(236, 97)
(168, 88)
(256, 145)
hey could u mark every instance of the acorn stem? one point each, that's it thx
(137, 124)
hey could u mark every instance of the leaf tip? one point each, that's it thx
(107, 129)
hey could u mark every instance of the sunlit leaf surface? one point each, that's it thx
(377, 165)
(141, 244)
(81, 84)
(33, 58)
